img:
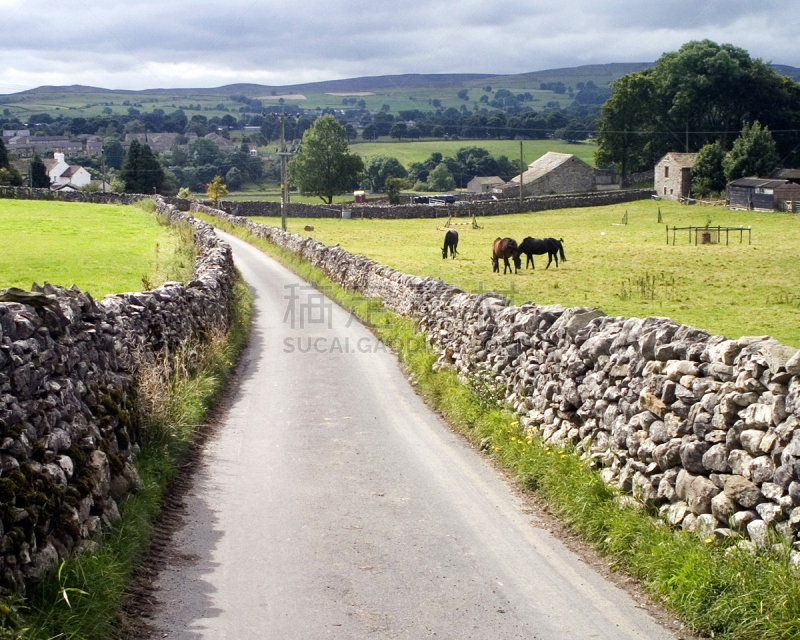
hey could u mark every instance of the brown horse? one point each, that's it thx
(505, 248)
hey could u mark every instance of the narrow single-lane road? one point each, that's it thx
(332, 503)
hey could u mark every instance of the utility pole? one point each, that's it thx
(283, 154)
(521, 173)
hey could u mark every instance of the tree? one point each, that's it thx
(203, 151)
(233, 178)
(440, 179)
(114, 154)
(324, 166)
(141, 171)
(696, 95)
(393, 188)
(754, 154)
(708, 173)
(370, 132)
(216, 190)
(398, 130)
(3, 155)
(380, 168)
(40, 179)
(463, 94)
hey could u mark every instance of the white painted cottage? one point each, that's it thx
(63, 176)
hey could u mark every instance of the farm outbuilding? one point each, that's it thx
(673, 175)
(792, 175)
(484, 184)
(553, 173)
(763, 194)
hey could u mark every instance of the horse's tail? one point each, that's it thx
(561, 250)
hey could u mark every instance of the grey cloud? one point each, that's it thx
(135, 45)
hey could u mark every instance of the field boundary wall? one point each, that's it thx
(253, 208)
(69, 426)
(703, 427)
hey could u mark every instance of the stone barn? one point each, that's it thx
(553, 173)
(673, 179)
(763, 194)
(484, 184)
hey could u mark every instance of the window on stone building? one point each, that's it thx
(666, 172)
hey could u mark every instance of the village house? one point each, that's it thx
(553, 173)
(24, 145)
(484, 184)
(224, 144)
(66, 177)
(158, 142)
(673, 176)
(763, 194)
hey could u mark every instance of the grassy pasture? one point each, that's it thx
(733, 290)
(419, 151)
(100, 248)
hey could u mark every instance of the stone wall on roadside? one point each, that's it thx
(68, 419)
(703, 427)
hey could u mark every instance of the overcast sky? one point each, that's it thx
(177, 43)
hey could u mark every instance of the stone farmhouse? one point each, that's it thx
(559, 173)
(673, 175)
(484, 184)
(66, 177)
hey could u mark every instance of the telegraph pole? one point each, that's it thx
(283, 154)
(521, 173)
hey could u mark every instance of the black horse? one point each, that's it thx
(540, 246)
(451, 243)
(505, 248)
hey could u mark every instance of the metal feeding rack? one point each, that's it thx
(711, 235)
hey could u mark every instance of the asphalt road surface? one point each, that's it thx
(332, 503)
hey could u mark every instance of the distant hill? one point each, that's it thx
(405, 91)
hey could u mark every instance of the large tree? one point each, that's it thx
(141, 171)
(753, 154)
(378, 169)
(694, 96)
(708, 174)
(324, 166)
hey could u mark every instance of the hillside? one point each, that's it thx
(407, 91)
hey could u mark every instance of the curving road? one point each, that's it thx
(332, 503)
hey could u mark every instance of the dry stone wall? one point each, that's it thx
(703, 427)
(68, 424)
(479, 207)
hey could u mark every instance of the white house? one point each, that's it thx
(70, 177)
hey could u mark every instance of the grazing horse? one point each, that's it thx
(450, 242)
(505, 248)
(540, 246)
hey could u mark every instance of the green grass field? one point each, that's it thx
(734, 290)
(419, 151)
(100, 248)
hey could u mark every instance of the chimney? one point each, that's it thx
(58, 157)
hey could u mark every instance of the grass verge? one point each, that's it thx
(82, 600)
(715, 588)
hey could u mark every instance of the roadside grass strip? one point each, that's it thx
(714, 587)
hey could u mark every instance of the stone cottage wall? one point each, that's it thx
(68, 425)
(703, 427)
